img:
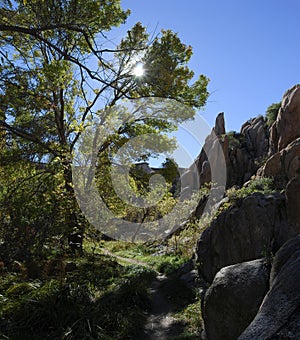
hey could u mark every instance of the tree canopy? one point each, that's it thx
(59, 70)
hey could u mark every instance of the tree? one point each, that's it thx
(272, 112)
(58, 70)
(170, 170)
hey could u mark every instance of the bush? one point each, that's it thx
(235, 140)
(272, 112)
(263, 185)
(170, 264)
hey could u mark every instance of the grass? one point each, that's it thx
(185, 306)
(97, 299)
(190, 316)
(100, 299)
(184, 301)
(262, 185)
(164, 258)
(157, 257)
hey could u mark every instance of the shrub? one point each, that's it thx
(170, 264)
(259, 184)
(272, 112)
(235, 140)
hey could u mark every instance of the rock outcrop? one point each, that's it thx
(242, 152)
(256, 135)
(248, 230)
(237, 302)
(246, 151)
(278, 316)
(283, 165)
(219, 128)
(293, 202)
(286, 128)
(233, 299)
(213, 154)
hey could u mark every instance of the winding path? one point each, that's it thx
(160, 325)
(125, 259)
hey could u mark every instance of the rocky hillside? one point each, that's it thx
(248, 259)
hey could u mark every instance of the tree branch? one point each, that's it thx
(21, 133)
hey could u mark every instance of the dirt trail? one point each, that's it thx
(160, 324)
(125, 259)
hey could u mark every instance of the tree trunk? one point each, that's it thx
(75, 230)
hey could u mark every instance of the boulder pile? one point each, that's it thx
(249, 256)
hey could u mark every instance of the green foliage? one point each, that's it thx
(50, 91)
(67, 20)
(263, 185)
(190, 316)
(135, 185)
(164, 260)
(99, 300)
(184, 242)
(166, 67)
(236, 140)
(169, 264)
(58, 72)
(272, 112)
(169, 170)
(139, 272)
(34, 220)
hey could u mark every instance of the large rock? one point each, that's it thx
(284, 165)
(246, 150)
(233, 299)
(237, 155)
(211, 157)
(272, 168)
(293, 202)
(256, 134)
(287, 124)
(211, 161)
(290, 330)
(219, 128)
(255, 226)
(285, 253)
(278, 316)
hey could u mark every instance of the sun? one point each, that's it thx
(138, 70)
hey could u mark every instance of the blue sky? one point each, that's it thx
(250, 49)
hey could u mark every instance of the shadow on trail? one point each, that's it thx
(160, 324)
(168, 294)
